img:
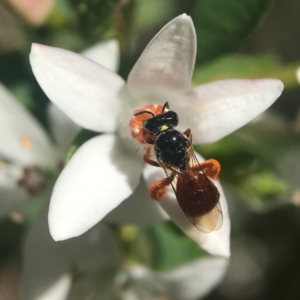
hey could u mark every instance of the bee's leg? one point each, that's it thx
(210, 167)
(148, 160)
(188, 134)
(159, 188)
(148, 137)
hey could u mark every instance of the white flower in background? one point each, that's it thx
(298, 74)
(50, 267)
(91, 267)
(33, 11)
(27, 151)
(107, 169)
(192, 280)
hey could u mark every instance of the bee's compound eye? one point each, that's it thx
(152, 125)
(172, 118)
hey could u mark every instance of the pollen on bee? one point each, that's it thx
(136, 122)
(25, 142)
(157, 190)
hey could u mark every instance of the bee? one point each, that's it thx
(196, 194)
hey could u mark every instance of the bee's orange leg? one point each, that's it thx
(159, 188)
(148, 160)
(211, 167)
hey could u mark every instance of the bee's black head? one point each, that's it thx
(161, 122)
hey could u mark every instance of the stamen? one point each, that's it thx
(296, 197)
(33, 180)
(17, 217)
(136, 122)
(25, 142)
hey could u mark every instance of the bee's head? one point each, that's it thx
(161, 122)
(158, 123)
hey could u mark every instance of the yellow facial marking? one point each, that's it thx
(164, 127)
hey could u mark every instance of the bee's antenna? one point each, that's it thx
(166, 106)
(144, 112)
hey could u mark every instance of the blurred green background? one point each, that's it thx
(260, 162)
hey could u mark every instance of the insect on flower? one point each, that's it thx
(196, 194)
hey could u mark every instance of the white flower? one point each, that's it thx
(27, 151)
(49, 267)
(189, 281)
(90, 266)
(106, 169)
(33, 11)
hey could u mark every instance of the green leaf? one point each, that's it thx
(23, 93)
(161, 247)
(33, 208)
(257, 147)
(96, 18)
(264, 186)
(62, 15)
(11, 234)
(235, 66)
(250, 67)
(81, 138)
(259, 160)
(221, 25)
(99, 20)
(173, 247)
(151, 13)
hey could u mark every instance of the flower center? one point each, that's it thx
(33, 180)
(137, 122)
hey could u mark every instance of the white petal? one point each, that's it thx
(97, 256)
(87, 92)
(45, 263)
(97, 285)
(94, 250)
(194, 280)
(138, 209)
(23, 140)
(216, 109)
(58, 290)
(168, 60)
(100, 175)
(190, 281)
(94, 285)
(216, 242)
(106, 54)
(298, 74)
(12, 196)
(64, 130)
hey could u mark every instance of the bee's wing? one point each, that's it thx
(171, 173)
(211, 221)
